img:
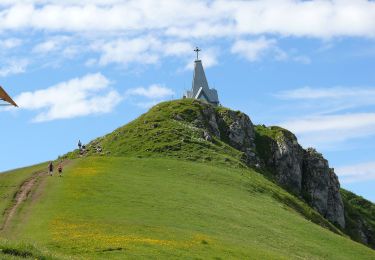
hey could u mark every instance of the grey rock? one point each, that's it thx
(178, 117)
(286, 160)
(241, 131)
(211, 118)
(207, 136)
(306, 173)
(321, 188)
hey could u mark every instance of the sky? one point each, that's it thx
(80, 69)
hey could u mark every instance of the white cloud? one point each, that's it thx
(196, 18)
(357, 172)
(150, 96)
(330, 93)
(10, 43)
(152, 92)
(13, 66)
(123, 51)
(333, 99)
(177, 48)
(51, 44)
(322, 120)
(154, 30)
(77, 97)
(147, 50)
(326, 130)
(252, 50)
(332, 122)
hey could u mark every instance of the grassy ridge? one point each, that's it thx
(159, 133)
(123, 207)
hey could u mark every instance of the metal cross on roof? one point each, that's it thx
(197, 50)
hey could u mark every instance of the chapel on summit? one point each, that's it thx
(200, 89)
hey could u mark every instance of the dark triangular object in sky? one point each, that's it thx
(5, 97)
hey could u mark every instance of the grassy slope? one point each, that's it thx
(10, 182)
(113, 207)
(157, 134)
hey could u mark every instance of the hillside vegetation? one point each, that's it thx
(116, 207)
(183, 181)
(360, 218)
(166, 130)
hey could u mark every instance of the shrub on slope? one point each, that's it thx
(360, 218)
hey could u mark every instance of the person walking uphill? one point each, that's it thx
(50, 168)
(60, 169)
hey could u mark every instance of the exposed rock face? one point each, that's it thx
(209, 115)
(321, 188)
(335, 205)
(305, 173)
(235, 128)
(238, 129)
(286, 161)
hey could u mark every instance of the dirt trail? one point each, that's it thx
(20, 196)
(23, 194)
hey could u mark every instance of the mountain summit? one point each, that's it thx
(194, 130)
(185, 180)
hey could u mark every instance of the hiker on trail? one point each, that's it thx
(79, 145)
(50, 168)
(60, 169)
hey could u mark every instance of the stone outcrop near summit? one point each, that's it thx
(303, 172)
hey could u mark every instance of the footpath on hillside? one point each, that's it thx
(24, 192)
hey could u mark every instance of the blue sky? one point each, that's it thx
(79, 71)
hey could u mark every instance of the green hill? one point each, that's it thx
(165, 186)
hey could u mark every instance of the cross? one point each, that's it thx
(197, 50)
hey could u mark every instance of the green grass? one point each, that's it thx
(21, 250)
(10, 181)
(159, 134)
(114, 207)
(159, 190)
(358, 210)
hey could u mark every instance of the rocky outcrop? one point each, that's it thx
(285, 160)
(238, 130)
(234, 128)
(321, 188)
(303, 172)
